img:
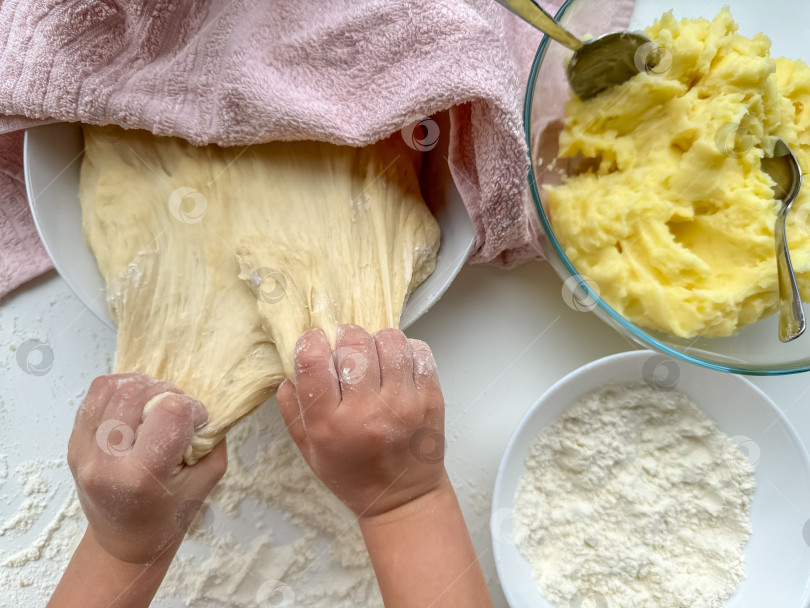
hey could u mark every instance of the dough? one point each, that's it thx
(217, 259)
(675, 222)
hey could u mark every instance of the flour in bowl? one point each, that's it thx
(634, 498)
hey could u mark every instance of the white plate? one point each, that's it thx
(53, 156)
(777, 556)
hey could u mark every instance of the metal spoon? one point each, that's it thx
(784, 170)
(597, 64)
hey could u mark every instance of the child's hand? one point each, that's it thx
(138, 496)
(370, 420)
(370, 423)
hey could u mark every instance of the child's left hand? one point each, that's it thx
(138, 496)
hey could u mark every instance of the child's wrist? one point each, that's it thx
(440, 497)
(95, 577)
(422, 553)
(96, 551)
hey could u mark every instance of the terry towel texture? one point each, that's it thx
(22, 256)
(246, 71)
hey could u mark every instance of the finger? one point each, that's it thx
(425, 373)
(316, 381)
(94, 403)
(356, 361)
(426, 379)
(396, 360)
(78, 448)
(131, 392)
(291, 412)
(196, 482)
(88, 418)
(208, 470)
(167, 431)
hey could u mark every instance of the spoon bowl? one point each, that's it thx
(784, 170)
(597, 64)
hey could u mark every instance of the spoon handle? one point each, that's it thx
(791, 314)
(533, 14)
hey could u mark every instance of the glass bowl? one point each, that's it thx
(755, 349)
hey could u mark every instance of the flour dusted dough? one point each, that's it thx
(217, 259)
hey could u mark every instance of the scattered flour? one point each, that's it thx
(316, 558)
(634, 498)
(56, 542)
(323, 562)
(25, 517)
(31, 476)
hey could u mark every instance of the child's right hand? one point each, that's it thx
(370, 420)
(370, 423)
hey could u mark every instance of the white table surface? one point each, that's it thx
(500, 339)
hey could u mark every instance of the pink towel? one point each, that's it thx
(22, 256)
(243, 71)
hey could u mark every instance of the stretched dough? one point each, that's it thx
(217, 259)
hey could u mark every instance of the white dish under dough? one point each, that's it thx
(777, 555)
(53, 157)
(635, 498)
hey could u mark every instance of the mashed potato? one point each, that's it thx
(674, 222)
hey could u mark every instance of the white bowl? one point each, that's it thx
(53, 157)
(777, 556)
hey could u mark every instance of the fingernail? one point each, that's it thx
(177, 403)
(153, 403)
(423, 362)
(301, 342)
(305, 339)
(342, 329)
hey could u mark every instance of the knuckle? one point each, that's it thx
(376, 437)
(377, 428)
(72, 455)
(92, 480)
(101, 383)
(128, 392)
(320, 434)
(320, 397)
(432, 403)
(141, 485)
(87, 484)
(123, 377)
(401, 401)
